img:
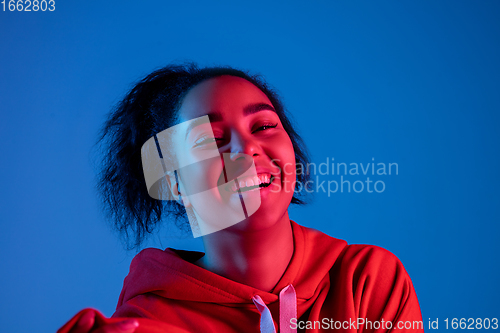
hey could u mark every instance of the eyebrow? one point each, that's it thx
(253, 108)
(216, 116)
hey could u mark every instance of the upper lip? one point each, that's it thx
(239, 178)
(258, 171)
(261, 170)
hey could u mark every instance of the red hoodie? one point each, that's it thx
(334, 286)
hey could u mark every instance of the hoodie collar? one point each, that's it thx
(171, 273)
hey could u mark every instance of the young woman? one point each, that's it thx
(216, 146)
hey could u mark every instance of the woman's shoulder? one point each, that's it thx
(369, 254)
(371, 266)
(350, 259)
(373, 282)
(349, 253)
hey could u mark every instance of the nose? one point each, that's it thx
(242, 146)
(238, 156)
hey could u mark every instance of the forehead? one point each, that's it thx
(220, 94)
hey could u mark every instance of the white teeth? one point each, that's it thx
(255, 180)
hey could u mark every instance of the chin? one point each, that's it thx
(263, 218)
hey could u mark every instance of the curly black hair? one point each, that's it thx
(147, 109)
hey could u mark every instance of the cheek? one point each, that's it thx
(283, 148)
(202, 175)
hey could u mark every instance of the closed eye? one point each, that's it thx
(206, 140)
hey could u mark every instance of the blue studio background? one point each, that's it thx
(406, 82)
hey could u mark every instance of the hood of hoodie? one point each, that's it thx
(171, 274)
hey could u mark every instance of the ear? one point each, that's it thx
(176, 188)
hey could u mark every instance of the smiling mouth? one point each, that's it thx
(246, 184)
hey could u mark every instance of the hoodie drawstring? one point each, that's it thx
(266, 320)
(288, 310)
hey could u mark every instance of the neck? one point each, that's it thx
(257, 258)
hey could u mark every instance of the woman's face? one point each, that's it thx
(243, 127)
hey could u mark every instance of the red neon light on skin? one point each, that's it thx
(243, 120)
